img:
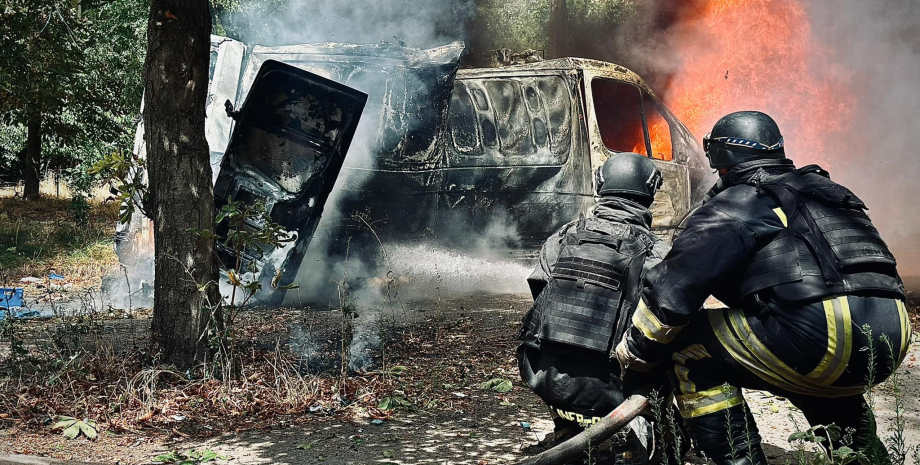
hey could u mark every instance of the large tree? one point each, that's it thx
(181, 195)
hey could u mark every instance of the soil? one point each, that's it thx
(448, 348)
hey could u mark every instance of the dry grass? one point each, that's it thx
(43, 235)
(89, 367)
(48, 189)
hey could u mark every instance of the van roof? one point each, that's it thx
(559, 64)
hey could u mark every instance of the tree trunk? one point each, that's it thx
(32, 156)
(179, 170)
(558, 29)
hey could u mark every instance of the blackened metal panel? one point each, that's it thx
(518, 166)
(392, 174)
(285, 152)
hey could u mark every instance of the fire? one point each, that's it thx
(759, 55)
(660, 135)
(143, 237)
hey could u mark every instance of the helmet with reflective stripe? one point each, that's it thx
(629, 175)
(743, 136)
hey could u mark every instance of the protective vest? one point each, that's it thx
(829, 247)
(594, 285)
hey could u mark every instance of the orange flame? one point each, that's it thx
(760, 55)
(143, 237)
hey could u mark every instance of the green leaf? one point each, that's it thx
(208, 455)
(833, 431)
(807, 436)
(497, 385)
(72, 431)
(384, 404)
(63, 422)
(389, 453)
(306, 446)
(171, 457)
(397, 370)
(87, 430)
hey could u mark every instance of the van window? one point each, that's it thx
(618, 108)
(522, 121)
(463, 121)
(659, 131)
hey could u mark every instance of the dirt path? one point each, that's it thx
(454, 347)
(487, 432)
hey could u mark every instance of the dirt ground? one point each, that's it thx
(453, 347)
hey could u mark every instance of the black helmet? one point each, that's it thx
(743, 136)
(629, 175)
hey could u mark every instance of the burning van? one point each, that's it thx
(482, 161)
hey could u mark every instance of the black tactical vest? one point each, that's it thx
(829, 247)
(593, 288)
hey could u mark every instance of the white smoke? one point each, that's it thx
(880, 50)
(416, 23)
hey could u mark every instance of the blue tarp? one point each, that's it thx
(10, 297)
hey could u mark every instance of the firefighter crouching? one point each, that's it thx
(809, 283)
(586, 286)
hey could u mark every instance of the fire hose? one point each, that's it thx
(599, 432)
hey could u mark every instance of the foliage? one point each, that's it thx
(497, 385)
(81, 69)
(824, 437)
(127, 173)
(73, 427)
(248, 228)
(192, 457)
(395, 402)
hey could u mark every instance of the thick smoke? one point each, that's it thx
(416, 23)
(877, 44)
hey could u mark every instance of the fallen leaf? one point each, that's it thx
(169, 15)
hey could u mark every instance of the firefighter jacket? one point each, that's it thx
(767, 233)
(585, 287)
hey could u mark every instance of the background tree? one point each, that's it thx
(41, 63)
(70, 85)
(181, 194)
(558, 29)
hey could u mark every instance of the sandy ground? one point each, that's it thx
(470, 426)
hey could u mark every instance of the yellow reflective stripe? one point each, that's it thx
(732, 344)
(683, 375)
(652, 327)
(831, 338)
(782, 216)
(694, 352)
(759, 351)
(709, 401)
(839, 341)
(747, 350)
(847, 349)
(906, 330)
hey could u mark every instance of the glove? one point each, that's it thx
(630, 361)
(636, 373)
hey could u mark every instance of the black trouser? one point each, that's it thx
(813, 355)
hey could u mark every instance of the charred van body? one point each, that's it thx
(442, 154)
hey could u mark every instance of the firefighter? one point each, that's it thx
(585, 288)
(815, 304)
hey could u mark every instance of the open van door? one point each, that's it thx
(285, 152)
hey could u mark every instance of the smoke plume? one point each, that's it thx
(416, 23)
